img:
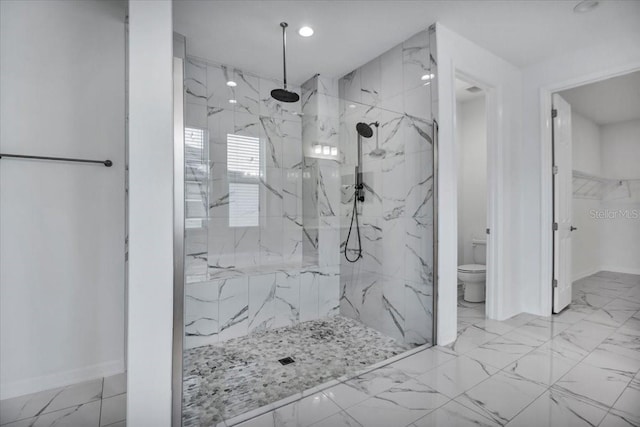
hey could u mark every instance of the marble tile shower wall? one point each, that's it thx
(391, 287)
(248, 275)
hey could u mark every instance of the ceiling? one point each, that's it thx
(462, 92)
(609, 101)
(246, 34)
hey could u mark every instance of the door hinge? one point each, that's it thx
(555, 226)
(555, 283)
(488, 230)
(555, 169)
(554, 113)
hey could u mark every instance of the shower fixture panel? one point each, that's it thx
(364, 130)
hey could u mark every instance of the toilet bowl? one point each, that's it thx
(473, 276)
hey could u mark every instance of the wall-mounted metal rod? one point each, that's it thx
(107, 163)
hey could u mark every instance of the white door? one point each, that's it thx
(562, 197)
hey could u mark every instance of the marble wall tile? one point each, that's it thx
(292, 240)
(393, 314)
(201, 314)
(390, 69)
(309, 294)
(286, 306)
(349, 86)
(219, 190)
(271, 240)
(329, 293)
(220, 122)
(218, 93)
(221, 243)
(247, 246)
(418, 134)
(329, 241)
(233, 297)
(292, 193)
(195, 82)
(328, 188)
(262, 294)
(418, 306)
(271, 194)
(370, 82)
(415, 58)
(247, 93)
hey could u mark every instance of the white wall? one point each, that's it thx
(595, 62)
(504, 88)
(61, 224)
(586, 240)
(472, 175)
(150, 213)
(621, 159)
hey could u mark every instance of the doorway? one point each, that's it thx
(471, 137)
(595, 188)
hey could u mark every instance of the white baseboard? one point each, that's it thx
(60, 379)
(620, 270)
(585, 274)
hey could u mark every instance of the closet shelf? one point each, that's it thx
(589, 186)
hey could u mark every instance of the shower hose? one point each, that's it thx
(354, 217)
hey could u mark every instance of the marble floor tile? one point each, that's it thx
(379, 380)
(422, 362)
(592, 384)
(627, 406)
(114, 409)
(587, 335)
(400, 405)
(494, 326)
(457, 376)
(341, 419)
(544, 366)
(50, 400)
(499, 352)
(613, 361)
(556, 409)
(85, 415)
(501, 397)
(470, 338)
(114, 385)
(454, 414)
(301, 413)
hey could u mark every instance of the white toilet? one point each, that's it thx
(473, 276)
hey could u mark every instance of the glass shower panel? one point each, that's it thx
(272, 306)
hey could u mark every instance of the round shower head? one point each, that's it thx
(284, 95)
(364, 130)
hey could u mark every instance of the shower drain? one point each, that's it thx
(286, 361)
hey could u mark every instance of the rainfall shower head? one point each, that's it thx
(284, 95)
(364, 130)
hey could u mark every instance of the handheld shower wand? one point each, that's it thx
(364, 131)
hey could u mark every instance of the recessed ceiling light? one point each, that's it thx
(232, 101)
(305, 31)
(427, 77)
(231, 83)
(585, 6)
(352, 105)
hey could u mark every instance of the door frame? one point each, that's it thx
(546, 176)
(447, 243)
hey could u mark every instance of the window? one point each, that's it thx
(196, 176)
(243, 168)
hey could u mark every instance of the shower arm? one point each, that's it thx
(284, 25)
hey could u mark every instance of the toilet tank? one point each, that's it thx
(479, 249)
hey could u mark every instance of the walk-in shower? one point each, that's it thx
(277, 193)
